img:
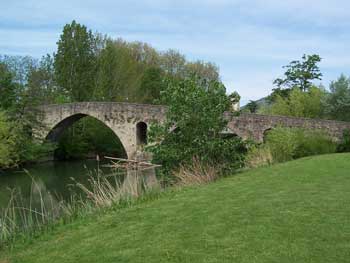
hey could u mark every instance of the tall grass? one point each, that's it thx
(258, 155)
(195, 174)
(20, 220)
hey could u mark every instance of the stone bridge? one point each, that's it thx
(130, 121)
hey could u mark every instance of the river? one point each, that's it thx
(57, 179)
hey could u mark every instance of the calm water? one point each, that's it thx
(54, 179)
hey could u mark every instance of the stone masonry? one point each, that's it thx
(123, 119)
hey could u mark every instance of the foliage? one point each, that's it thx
(196, 173)
(282, 143)
(337, 103)
(152, 83)
(344, 145)
(258, 155)
(193, 126)
(118, 73)
(300, 74)
(42, 87)
(8, 88)
(75, 61)
(299, 104)
(290, 143)
(8, 153)
(252, 106)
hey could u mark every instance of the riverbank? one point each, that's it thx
(291, 212)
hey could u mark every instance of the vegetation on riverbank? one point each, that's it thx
(291, 212)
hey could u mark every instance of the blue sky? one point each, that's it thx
(250, 41)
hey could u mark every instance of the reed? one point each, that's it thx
(21, 219)
(196, 174)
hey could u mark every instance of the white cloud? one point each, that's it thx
(249, 40)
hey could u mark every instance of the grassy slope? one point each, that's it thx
(293, 212)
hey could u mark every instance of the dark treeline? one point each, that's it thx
(86, 67)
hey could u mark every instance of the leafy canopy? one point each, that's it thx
(300, 74)
(299, 104)
(75, 61)
(338, 100)
(193, 126)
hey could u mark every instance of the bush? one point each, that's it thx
(258, 155)
(344, 145)
(314, 143)
(282, 143)
(290, 143)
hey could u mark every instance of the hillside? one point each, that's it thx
(292, 212)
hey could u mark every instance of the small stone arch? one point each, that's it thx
(265, 133)
(141, 133)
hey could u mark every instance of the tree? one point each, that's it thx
(299, 104)
(41, 87)
(337, 104)
(173, 63)
(193, 126)
(8, 89)
(252, 106)
(300, 74)
(119, 74)
(152, 84)
(204, 70)
(8, 154)
(19, 66)
(75, 61)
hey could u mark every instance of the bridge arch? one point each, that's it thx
(266, 132)
(56, 132)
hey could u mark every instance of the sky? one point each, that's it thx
(249, 41)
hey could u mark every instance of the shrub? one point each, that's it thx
(282, 143)
(258, 155)
(195, 174)
(344, 145)
(291, 143)
(313, 143)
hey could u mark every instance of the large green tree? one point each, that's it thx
(338, 100)
(193, 126)
(300, 74)
(118, 74)
(75, 61)
(8, 88)
(152, 83)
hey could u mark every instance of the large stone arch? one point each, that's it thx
(121, 118)
(53, 134)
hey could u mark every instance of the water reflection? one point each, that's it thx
(50, 181)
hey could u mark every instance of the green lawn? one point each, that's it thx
(293, 212)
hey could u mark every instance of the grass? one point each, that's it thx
(293, 212)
